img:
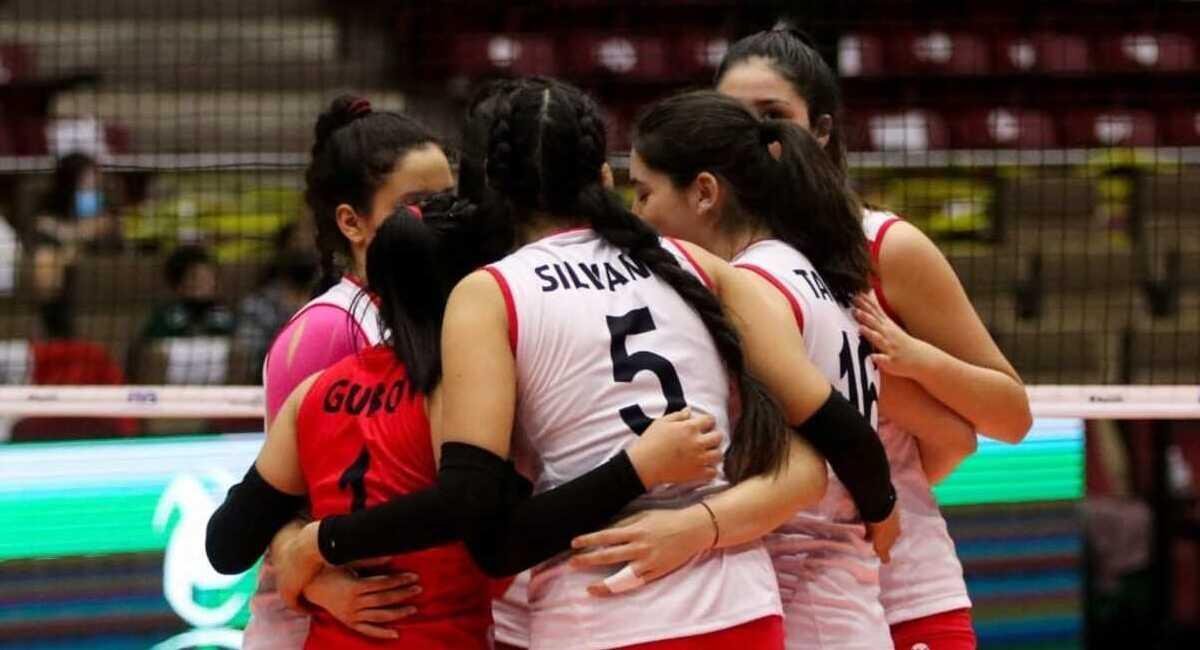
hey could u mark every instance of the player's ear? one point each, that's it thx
(354, 226)
(606, 177)
(707, 195)
(822, 128)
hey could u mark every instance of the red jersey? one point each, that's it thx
(363, 438)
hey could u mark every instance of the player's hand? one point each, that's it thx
(883, 534)
(298, 565)
(366, 605)
(677, 448)
(896, 351)
(650, 545)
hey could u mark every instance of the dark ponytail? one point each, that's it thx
(545, 155)
(801, 197)
(794, 56)
(413, 262)
(354, 150)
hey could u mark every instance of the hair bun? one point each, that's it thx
(343, 110)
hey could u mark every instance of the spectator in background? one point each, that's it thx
(286, 285)
(191, 275)
(194, 310)
(72, 217)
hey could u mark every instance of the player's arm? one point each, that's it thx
(943, 438)
(776, 356)
(479, 496)
(268, 497)
(951, 354)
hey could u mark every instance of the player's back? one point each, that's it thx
(602, 347)
(827, 570)
(363, 438)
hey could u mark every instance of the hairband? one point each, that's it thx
(359, 107)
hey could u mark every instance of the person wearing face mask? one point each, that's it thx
(72, 217)
(191, 275)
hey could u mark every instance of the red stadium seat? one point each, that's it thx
(1005, 127)
(911, 130)
(521, 54)
(31, 137)
(860, 55)
(941, 52)
(1116, 127)
(16, 62)
(1148, 51)
(699, 54)
(1183, 127)
(633, 57)
(1042, 52)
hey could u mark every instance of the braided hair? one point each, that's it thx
(546, 151)
(354, 150)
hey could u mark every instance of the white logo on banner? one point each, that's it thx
(186, 570)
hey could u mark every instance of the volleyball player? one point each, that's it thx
(947, 350)
(556, 335)
(763, 195)
(364, 163)
(359, 433)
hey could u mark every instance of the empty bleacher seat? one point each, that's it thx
(16, 62)
(1005, 127)
(632, 57)
(1052, 354)
(1110, 128)
(911, 130)
(941, 52)
(1182, 127)
(1166, 350)
(699, 53)
(515, 54)
(1048, 52)
(860, 55)
(1162, 51)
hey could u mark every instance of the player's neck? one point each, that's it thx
(728, 245)
(540, 225)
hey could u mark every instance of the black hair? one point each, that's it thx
(477, 126)
(794, 56)
(801, 197)
(355, 149)
(59, 200)
(545, 154)
(412, 264)
(184, 259)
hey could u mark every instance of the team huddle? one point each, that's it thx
(523, 415)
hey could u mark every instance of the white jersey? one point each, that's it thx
(602, 347)
(924, 577)
(828, 572)
(273, 625)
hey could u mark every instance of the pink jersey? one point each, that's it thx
(602, 346)
(924, 576)
(332, 326)
(828, 572)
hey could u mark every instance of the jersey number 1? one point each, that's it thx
(354, 479)
(863, 394)
(626, 366)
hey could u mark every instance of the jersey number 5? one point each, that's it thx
(626, 366)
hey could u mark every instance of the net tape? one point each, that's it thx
(1089, 402)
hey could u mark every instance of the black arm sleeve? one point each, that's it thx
(240, 531)
(840, 433)
(489, 506)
